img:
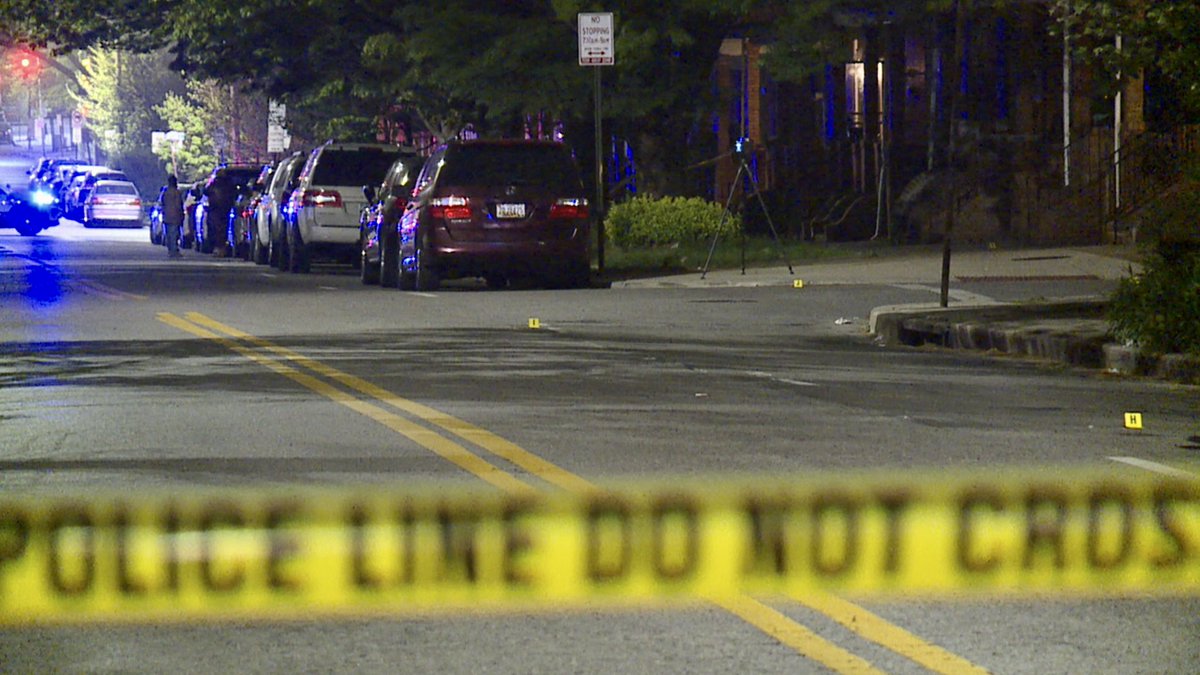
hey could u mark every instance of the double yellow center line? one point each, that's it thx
(382, 403)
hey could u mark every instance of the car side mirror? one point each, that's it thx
(369, 193)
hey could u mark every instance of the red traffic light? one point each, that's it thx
(26, 64)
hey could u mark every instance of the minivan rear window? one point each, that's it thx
(360, 167)
(484, 164)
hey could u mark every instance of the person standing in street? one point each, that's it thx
(172, 215)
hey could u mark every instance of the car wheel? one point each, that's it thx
(572, 275)
(204, 243)
(426, 277)
(258, 252)
(367, 272)
(389, 260)
(28, 231)
(298, 259)
(279, 252)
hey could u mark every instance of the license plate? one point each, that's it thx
(510, 210)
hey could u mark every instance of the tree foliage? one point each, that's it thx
(1161, 38)
(120, 92)
(65, 25)
(196, 154)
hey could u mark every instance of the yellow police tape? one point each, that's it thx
(242, 553)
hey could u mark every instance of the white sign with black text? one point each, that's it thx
(596, 39)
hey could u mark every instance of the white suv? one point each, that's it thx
(323, 212)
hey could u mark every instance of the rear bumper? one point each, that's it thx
(124, 216)
(470, 259)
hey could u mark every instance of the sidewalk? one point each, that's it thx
(1071, 331)
(918, 265)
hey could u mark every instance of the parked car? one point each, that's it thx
(221, 189)
(44, 173)
(244, 210)
(323, 217)
(64, 182)
(501, 210)
(379, 240)
(113, 202)
(268, 237)
(81, 186)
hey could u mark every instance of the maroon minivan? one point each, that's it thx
(501, 210)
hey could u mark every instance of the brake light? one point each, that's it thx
(450, 208)
(569, 208)
(321, 198)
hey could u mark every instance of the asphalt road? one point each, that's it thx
(108, 379)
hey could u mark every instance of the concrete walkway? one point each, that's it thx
(919, 266)
(1072, 331)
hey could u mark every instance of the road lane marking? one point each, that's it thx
(770, 621)
(500, 447)
(782, 380)
(108, 291)
(1154, 466)
(956, 294)
(443, 447)
(799, 638)
(86, 285)
(884, 633)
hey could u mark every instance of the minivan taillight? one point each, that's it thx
(569, 208)
(450, 208)
(321, 198)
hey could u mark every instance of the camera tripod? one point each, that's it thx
(744, 169)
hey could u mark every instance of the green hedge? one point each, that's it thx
(1159, 309)
(645, 221)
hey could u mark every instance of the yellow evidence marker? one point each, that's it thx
(797, 283)
(1133, 420)
(535, 324)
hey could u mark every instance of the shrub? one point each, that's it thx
(1159, 309)
(645, 221)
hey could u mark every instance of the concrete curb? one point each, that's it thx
(1073, 332)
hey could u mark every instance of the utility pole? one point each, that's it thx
(960, 29)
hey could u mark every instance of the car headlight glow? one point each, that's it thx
(42, 198)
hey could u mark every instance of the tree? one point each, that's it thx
(195, 155)
(1161, 39)
(120, 92)
(67, 25)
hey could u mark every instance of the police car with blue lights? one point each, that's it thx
(29, 211)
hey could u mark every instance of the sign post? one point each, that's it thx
(596, 48)
(278, 138)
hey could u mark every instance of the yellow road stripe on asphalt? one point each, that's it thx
(547, 471)
(770, 621)
(443, 447)
(799, 638)
(880, 631)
